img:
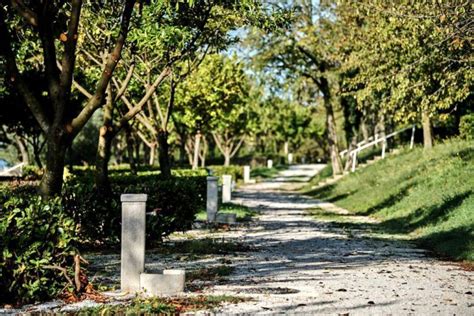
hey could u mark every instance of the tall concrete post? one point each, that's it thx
(269, 163)
(133, 241)
(246, 174)
(226, 188)
(290, 159)
(212, 198)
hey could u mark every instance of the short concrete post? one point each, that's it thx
(412, 140)
(290, 159)
(212, 198)
(384, 147)
(246, 174)
(269, 163)
(226, 188)
(133, 241)
(354, 161)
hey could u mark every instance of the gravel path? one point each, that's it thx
(307, 266)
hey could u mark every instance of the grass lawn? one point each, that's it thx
(266, 173)
(244, 214)
(427, 195)
(162, 305)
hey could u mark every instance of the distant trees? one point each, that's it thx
(409, 61)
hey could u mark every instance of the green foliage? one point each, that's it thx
(426, 195)
(237, 172)
(466, 126)
(35, 233)
(163, 306)
(243, 213)
(173, 202)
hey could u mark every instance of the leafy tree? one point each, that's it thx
(46, 22)
(410, 59)
(214, 100)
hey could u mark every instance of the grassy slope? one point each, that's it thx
(428, 195)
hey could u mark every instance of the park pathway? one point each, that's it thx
(306, 266)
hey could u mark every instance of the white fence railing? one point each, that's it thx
(353, 153)
(13, 171)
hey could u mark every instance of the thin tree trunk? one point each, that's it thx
(285, 148)
(203, 152)
(102, 161)
(23, 149)
(226, 157)
(197, 142)
(352, 146)
(164, 155)
(130, 142)
(151, 160)
(104, 145)
(427, 130)
(332, 136)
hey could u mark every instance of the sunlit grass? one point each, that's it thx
(425, 194)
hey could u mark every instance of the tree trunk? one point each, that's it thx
(23, 149)
(285, 148)
(104, 146)
(352, 146)
(203, 152)
(130, 142)
(152, 148)
(226, 157)
(197, 142)
(102, 182)
(52, 180)
(427, 130)
(332, 136)
(164, 154)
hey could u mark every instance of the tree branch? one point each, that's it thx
(25, 12)
(30, 99)
(69, 57)
(125, 83)
(95, 102)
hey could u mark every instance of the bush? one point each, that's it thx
(174, 202)
(466, 126)
(237, 172)
(35, 233)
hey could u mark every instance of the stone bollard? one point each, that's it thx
(246, 174)
(226, 188)
(133, 241)
(212, 198)
(290, 159)
(269, 163)
(170, 282)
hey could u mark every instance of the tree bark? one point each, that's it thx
(102, 182)
(104, 144)
(331, 130)
(52, 180)
(23, 150)
(226, 158)
(197, 142)
(130, 149)
(164, 155)
(203, 152)
(427, 130)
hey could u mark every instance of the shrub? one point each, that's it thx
(174, 202)
(466, 126)
(237, 172)
(35, 233)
